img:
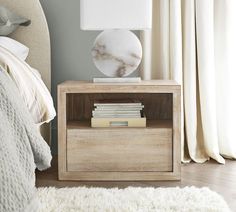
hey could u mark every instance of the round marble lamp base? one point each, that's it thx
(117, 53)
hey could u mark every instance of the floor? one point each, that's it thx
(219, 178)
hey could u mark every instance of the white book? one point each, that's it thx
(117, 104)
(119, 107)
(116, 116)
(116, 112)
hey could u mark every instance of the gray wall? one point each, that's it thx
(71, 58)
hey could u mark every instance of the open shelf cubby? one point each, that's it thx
(157, 107)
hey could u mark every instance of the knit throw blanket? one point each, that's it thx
(22, 150)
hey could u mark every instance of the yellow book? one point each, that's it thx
(118, 122)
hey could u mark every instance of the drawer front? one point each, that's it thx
(115, 150)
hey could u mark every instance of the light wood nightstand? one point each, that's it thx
(121, 154)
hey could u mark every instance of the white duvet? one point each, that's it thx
(31, 87)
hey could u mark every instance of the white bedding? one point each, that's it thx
(31, 87)
(17, 48)
(22, 149)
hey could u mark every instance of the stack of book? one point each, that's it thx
(118, 113)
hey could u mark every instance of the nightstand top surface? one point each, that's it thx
(143, 82)
(150, 86)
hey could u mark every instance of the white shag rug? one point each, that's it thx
(131, 199)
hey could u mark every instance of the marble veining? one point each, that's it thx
(117, 53)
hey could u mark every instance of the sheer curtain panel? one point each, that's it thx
(194, 43)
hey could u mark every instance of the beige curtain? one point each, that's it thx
(194, 43)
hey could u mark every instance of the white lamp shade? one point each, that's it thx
(115, 14)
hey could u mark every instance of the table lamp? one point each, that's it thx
(117, 52)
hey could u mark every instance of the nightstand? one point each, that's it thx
(120, 154)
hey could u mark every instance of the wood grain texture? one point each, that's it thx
(103, 149)
(151, 124)
(167, 83)
(152, 86)
(62, 129)
(119, 176)
(124, 150)
(177, 132)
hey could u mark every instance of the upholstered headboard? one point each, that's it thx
(36, 37)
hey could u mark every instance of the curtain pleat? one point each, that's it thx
(207, 75)
(190, 85)
(225, 63)
(193, 42)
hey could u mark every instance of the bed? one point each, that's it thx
(22, 147)
(36, 37)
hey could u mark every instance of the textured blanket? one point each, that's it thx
(22, 149)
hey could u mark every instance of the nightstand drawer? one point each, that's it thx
(120, 150)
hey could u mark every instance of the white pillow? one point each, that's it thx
(31, 87)
(18, 49)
